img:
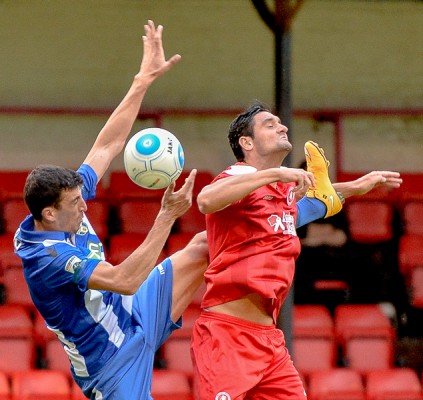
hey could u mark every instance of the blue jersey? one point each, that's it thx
(93, 325)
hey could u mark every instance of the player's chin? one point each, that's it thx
(286, 145)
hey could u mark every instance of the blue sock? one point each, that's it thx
(309, 210)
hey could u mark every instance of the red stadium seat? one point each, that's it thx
(176, 355)
(76, 392)
(412, 217)
(314, 346)
(16, 354)
(189, 317)
(4, 386)
(410, 254)
(176, 350)
(177, 241)
(137, 216)
(16, 288)
(121, 188)
(17, 349)
(40, 385)
(14, 212)
(12, 183)
(370, 222)
(366, 336)
(416, 286)
(7, 254)
(122, 245)
(42, 335)
(15, 321)
(98, 215)
(56, 357)
(336, 384)
(312, 320)
(193, 221)
(170, 385)
(393, 384)
(202, 179)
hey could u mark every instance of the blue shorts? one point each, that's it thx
(128, 374)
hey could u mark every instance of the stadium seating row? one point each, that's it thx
(333, 384)
(55, 385)
(361, 333)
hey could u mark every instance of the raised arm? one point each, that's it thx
(226, 191)
(126, 277)
(366, 183)
(113, 136)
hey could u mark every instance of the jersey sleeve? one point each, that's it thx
(70, 266)
(90, 181)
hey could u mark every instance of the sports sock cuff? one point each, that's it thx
(309, 209)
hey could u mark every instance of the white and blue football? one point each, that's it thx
(154, 158)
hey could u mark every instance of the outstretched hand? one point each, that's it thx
(175, 204)
(387, 179)
(154, 63)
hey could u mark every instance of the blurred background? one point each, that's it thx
(354, 70)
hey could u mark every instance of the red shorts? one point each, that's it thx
(237, 359)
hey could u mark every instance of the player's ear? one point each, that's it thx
(246, 142)
(49, 214)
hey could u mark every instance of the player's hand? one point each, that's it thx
(386, 179)
(154, 63)
(302, 178)
(175, 204)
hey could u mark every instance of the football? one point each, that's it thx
(153, 158)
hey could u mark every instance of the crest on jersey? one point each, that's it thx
(222, 396)
(291, 196)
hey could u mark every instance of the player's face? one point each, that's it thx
(270, 135)
(71, 210)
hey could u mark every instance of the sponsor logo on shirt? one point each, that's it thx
(51, 251)
(161, 269)
(83, 230)
(72, 264)
(285, 223)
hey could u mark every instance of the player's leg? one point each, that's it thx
(320, 201)
(318, 164)
(189, 265)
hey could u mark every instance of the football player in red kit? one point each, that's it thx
(252, 214)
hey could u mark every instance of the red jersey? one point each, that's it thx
(253, 245)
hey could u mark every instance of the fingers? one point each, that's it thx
(188, 185)
(304, 182)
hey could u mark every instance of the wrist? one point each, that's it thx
(341, 197)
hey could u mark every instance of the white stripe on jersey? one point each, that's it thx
(77, 361)
(104, 315)
(127, 303)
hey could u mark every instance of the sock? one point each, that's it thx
(309, 209)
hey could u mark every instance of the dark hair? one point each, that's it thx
(243, 125)
(44, 187)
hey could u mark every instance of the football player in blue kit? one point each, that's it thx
(109, 319)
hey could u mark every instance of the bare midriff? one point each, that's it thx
(251, 308)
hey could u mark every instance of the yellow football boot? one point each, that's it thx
(318, 164)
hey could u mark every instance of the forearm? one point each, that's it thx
(112, 138)
(347, 189)
(228, 190)
(120, 123)
(128, 276)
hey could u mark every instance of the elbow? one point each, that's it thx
(203, 204)
(128, 287)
